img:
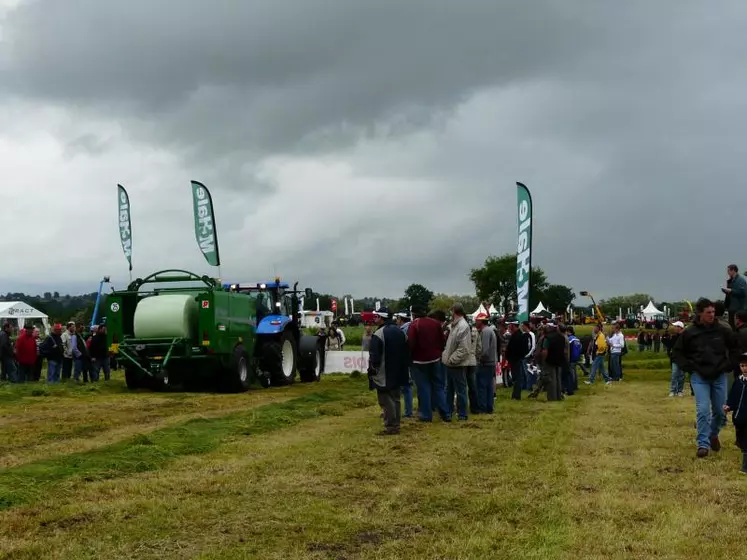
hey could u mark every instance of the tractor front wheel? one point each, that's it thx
(132, 378)
(279, 359)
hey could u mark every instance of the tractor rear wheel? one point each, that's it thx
(309, 359)
(236, 375)
(279, 359)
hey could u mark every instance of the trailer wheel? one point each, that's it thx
(279, 359)
(132, 378)
(236, 375)
(309, 359)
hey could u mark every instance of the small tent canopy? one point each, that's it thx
(540, 308)
(22, 312)
(650, 310)
(493, 310)
(480, 310)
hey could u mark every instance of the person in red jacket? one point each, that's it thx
(426, 341)
(26, 354)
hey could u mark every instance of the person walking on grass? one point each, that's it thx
(456, 357)
(616, 345)
(388, 363)
(677, 385)
(737, 405)
(486, 361)
(426, 342)
(708, 350)
(598, 352)
(53, 350)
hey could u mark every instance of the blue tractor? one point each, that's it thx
(281, 348)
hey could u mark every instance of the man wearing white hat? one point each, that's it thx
(677, 386)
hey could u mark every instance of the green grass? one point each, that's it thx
(298, 473)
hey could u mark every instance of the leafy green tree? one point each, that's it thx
(496, 281)
(611, 306)
(416, 295)
(443, 302)
(557, 297)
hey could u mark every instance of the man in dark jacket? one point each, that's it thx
(388, 362)
(52, 349)
(7, 360)
(516, 350)
(737, 405)
(708, 349)
(736, 293)
(83, 359)
(425, 339)
(99, 353)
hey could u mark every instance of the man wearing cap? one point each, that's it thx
(26, 354)
(7, 361)
(426, 342)
(388, 362)
(456, 358)
(677, 385)
(53, 350)
(403, 322)
(485, 375)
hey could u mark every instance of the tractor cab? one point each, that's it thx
(273, 298)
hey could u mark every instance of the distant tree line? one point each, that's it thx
(59, 308)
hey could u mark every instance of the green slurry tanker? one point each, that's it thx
(190, 330)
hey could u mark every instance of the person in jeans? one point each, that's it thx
(426, 342)
(471, 372)
(616, 344)
(485, 375)
(677, 385)
(516, 351)
(388, 363)
(456, 357)
(53, 350)
(575, 355)
(403, 322)
(708, 349)
(99, 354)
(598, 351)
(7, 359)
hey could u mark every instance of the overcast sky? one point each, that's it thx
(361, 146)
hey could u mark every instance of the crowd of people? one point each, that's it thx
(70, 352)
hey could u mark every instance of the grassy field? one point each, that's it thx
(298, 473)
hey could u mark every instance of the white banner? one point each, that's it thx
(346, 362)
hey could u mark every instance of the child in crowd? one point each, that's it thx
(737, 405)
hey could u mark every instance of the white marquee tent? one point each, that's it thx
(480, 310)
(650, 311)
(540, 308)
(22, 312)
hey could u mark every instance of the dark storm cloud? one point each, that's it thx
(625, 118)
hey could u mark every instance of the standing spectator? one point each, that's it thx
(736, 293)
(53, 350)
(552, 350)
(471, 372)
(566, 377)
(516, 351)
(598, 351)
(641, 340)
(487, 360)
(7, 361)
(68, 351)
(39, 358)
(528, 378)
(26, 354)
(99, 352)
(404, 325)
(456, 357)
(649, 342)
(740, 322)
(737, 405)
(426, 342)
(616, 344)
(366, 340)
(666, 341)
(575, 353)
(388, 362)
(321, 344)
(677, 386)
(82, 359)
(707, 349)
(657, 341)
